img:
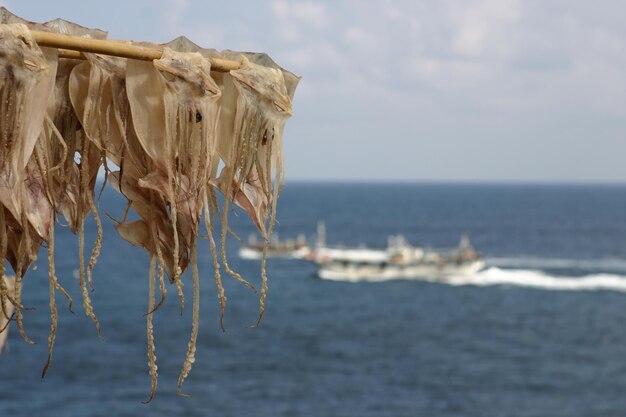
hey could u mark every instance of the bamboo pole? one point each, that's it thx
(66, 53)
(114, 48)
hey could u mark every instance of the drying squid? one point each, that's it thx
(69, 181)
(99, 96)
(6, 314)
(52, 179)
(182, 44)
(26, 83)
(166, 124)
(174, 105)
(256, 105)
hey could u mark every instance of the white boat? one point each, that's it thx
(346, 271)
(399, 260)
(289, 249)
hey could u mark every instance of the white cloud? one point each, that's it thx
(362, 39)
(321, 56)
(175, 15)
(480, 22)
(296, 19)
(424, 67)
(280, 8)
(309, 13)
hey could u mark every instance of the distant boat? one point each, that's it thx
(289, 249)
(399, 260)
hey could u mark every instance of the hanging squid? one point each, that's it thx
(174, 109)
(71, 167)
(26, 83)
(255, 107)
(166, 125)
(7, 310)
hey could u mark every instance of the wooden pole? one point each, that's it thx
(113, 48)
(66, 53)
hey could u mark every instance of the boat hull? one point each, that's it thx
(254, 254)
(429, 272)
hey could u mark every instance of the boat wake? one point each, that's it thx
(495, 276)
(613, 265)
(540, 279)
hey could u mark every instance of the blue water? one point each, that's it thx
(541, 332)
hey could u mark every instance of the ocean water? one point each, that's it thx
(540, 332)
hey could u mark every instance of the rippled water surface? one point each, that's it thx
(540, 332)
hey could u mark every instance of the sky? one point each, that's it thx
(415, 90)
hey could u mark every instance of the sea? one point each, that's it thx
(541, 331)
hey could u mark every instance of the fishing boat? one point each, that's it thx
(399, 260)
(289, 248)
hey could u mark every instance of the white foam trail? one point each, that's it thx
(608, 264)
(539, 279)
(524, 278)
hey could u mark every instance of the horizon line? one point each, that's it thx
(510, 182)
(456, 181)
